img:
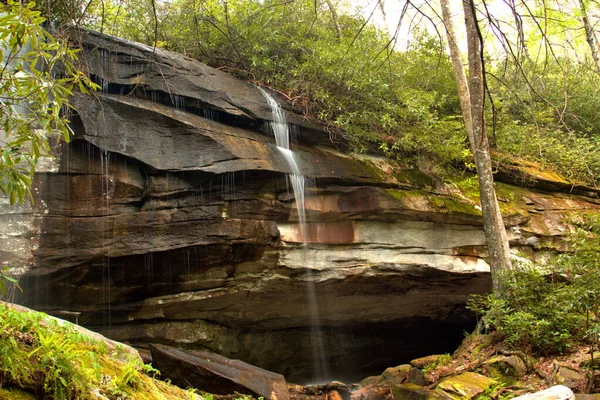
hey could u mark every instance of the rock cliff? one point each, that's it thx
(168, 219)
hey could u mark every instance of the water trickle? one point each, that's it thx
(281, 131)
(210, 114)
(104, 65)
(178, 102)
(106, 275)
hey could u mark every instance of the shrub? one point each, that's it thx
(548, 309)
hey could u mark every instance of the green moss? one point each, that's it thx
(468, 186)
(453, 205)
(9, 393)
(510, 198)
(414, 177)
(39, 355)
(466, 385)
(438, 203)
(371, 170)
(402, 195)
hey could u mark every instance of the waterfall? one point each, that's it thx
(281, 131)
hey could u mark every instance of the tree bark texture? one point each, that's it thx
(338, 28)
(590, 36)
(459, 71)
(495, 232)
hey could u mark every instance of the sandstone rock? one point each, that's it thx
(372, 392)
(217, 374)
(415, 392)
(512, 366)
(424, 362)
(417, 377)
(569, 377)
(368, 381)
(174, 78)
(395, 375)
(525, 173)
(467, 385)
(333, 395)
(380, 387)
(593, 361)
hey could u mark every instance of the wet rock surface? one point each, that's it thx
(170, 220)
(217, 374)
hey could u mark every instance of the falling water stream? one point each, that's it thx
(281, 130)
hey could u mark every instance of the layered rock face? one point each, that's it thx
(169, 219)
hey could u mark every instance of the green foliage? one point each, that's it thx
(6, 281)
(547, 112)
(548, 309)
(45, 358)
(39, 355)
(38, 75)
(440, 361)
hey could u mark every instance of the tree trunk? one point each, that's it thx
(459, 71)
(495, 232)
(338, 28)
(590, 36)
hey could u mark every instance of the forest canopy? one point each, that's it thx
(391, 91)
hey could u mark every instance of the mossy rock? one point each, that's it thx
(465, 386)
(424, 201)
(369, 380)
(453, 205)
(424, 362)
(414, 177)
(8, 393)
(506, 366)
(595, 364)
(395, 375)
(569, 377)
(415, 392)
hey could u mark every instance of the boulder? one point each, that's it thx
(395, 375)
(216, 374)
(467, 385)
(417, 377)
(415, 392)
(512, 366)
(570, 378)
(403, 376)
(427, 361)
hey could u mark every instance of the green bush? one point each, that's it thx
(54, 361)
(50, 360)
(548, 309)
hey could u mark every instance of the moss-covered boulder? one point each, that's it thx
(415, 392)
(44, 357)
(427, 361)
(570, 378)
(510, 366)
(395, 375)
(467, 385)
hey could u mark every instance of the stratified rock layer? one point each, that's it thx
(169, 220)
